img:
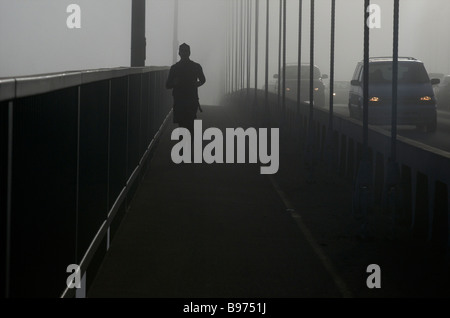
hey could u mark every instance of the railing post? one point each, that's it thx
(109, 160)
(431, 206)
(448, 225)
(9, 198)
(77, 198)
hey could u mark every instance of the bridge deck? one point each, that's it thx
(222, 230)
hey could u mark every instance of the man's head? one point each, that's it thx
(184, 51)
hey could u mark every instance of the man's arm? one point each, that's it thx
(201, 77)
(170, 83)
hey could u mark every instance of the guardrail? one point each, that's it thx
(73, 148)
(424, 202)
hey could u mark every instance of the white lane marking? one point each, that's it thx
(340, 284)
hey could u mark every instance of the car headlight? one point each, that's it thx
(288, 89)
(425, 98)
(374, 99)
(316, 89)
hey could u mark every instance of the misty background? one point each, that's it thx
(35, 38)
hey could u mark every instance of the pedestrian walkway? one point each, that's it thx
(220, 230)
(226, 231)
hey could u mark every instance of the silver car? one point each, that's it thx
(416, 102)
(292, 79)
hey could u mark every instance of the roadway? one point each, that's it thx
(439, 139)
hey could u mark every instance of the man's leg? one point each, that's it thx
(189, 125)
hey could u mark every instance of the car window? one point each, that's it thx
(291, 72)
(360, 72)
(342, 85)
(408, 73)
(356, 73)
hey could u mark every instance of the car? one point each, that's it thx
(443, 95)
(440, 76)
(416, 101)
(291, 83)
(340, 92)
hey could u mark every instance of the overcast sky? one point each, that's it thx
(35, 38)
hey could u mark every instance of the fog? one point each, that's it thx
(35, 38)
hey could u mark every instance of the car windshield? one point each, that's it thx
(291, 72)
(408, 73)
(340, 84)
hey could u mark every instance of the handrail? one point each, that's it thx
(23, 86)
(113, 123)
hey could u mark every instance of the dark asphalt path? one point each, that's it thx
(220, 230)
(223, 231)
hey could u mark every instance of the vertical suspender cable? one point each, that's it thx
(366, 81)
(363, 192)
(329, 141)
(311, 67)
(280, 20)
(266, 78)
(394, 82)
(236, 46)
(309, 155)
(333, 22)
(248, 45)
(284, 64)
(241, 46)
(299, 61)
(175, 32)
(393, 171)
(256, 51)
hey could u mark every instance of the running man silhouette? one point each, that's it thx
(184, 78)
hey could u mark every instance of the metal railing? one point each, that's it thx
(423, 200)
(73, 148)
